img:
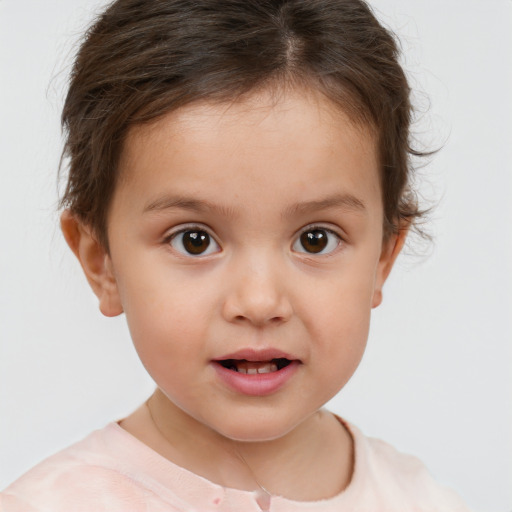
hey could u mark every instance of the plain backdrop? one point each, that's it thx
(436, 377)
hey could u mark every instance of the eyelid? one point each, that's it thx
(321, 227)
(193, 226)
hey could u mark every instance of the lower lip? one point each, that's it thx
(259, 384)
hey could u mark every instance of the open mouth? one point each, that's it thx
(254, 367)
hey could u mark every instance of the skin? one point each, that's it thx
(254, 175)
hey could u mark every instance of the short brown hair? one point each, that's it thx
(144, 58)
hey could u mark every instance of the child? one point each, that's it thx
(239, 188)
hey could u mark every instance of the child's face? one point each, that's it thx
(251, 231)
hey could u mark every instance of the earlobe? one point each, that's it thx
(391, 248)
(95, 262)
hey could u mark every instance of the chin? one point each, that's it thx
(257, 429)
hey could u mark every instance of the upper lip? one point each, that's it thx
(254, 355)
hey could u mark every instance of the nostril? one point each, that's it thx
(260, 320)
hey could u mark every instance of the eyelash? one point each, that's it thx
(314, 227)
(214, 247)
(192, 228)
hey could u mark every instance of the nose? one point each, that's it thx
(257, 294)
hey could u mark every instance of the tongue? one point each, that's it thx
(254, 367)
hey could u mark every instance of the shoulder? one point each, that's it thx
(399, 479)
(83, 477)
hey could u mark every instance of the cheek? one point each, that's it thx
(172, 348)
(342, 303)
(343, 338)
(343, 346)
(339, 321)
(160, 296)
(168, 320)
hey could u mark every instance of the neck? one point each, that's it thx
(311, 462)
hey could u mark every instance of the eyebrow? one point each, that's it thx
(186, 203)
(346, 202)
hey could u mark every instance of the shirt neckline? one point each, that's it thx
(152, 470)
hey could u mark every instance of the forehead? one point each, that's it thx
(262, 143)
(305, 105)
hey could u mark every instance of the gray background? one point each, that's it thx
(435, 380)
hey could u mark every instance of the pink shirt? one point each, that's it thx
(112, 471)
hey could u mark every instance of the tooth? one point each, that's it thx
(268, 368)
(252, 371)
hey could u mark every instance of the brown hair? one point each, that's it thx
(144, 58)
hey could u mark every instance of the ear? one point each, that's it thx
(95, 261)
(391, 248)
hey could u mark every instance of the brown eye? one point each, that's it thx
(317, 241)
(194, 242)
(314, 241)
